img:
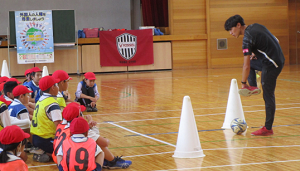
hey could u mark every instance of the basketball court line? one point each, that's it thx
(104, 122)
(157, 111)
(46, 165)
(113, 123)
(155, 139)
(108, 86)
(237, 148)
(142, 134)
(214, 149)
(231, 165)
(209, 130)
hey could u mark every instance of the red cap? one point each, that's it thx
(72, 111)
(2, 86)
(90, 76)
(3, 79)
(36, 69)
(61, 75)
(2, 99)
(28, 71)
(20, 89)
(14, 79)
(47, 82)
(12, 134)
(79, 126)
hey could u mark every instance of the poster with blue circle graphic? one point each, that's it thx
(34, 36)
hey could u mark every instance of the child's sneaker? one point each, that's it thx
(41, 158)
(249, 91)
(94, 109)
(89, 109)
(36, 150)
(117, 163)
(28, 147)
(263, 132)
(105, 163)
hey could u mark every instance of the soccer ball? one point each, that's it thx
(238, 126)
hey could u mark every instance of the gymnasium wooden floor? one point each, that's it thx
(144, 108)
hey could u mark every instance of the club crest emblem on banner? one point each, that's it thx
(126, 44)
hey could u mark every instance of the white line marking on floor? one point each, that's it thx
(42, 165)
(214, 149)
(194, 115)
(142, 134)
(237, 148)
(159, 111)
(108, 86)
(231, 165)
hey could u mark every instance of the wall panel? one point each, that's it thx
(15, 69)
(188, 17)
(189, 54)
(64, 59)
(91, 60)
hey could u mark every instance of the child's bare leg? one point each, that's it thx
(100, 158)
(103, 143)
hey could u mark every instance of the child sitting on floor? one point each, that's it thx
(87, 92)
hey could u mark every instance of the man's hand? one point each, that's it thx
(253, 57)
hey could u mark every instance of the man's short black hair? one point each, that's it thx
(9, 86)
(233, 21)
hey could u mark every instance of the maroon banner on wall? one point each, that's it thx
(126, 48)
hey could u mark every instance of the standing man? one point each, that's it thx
(260, 41)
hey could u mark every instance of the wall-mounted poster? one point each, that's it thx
(34, 36)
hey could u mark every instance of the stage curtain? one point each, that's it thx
(155, 13)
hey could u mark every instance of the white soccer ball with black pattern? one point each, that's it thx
(238, 126)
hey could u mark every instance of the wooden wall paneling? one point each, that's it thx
(3, 55)
(15, 68)
(170, 10)
(272, 14)
(162, 58)
(188, 17)
(234, 53)
(189, 54)
(64, 59)
(91, 60)
(179, 37)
